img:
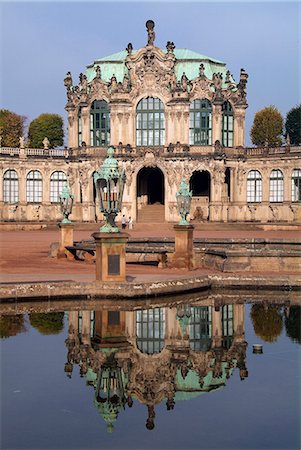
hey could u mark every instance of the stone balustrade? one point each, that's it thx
(171, 150)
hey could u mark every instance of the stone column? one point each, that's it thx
(183, 257)
(85, 125)
(265, 185)
(86, 327)
(72, 127)
(287, 185)
(66, 240)
(216, 327)
(216, 123)
(110, 256)
(239, 127)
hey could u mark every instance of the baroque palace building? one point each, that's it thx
(170, 113)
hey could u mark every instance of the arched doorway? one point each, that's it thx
(150, 195)
(199, 184)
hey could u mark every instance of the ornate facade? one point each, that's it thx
(155, 355)
(170, 114)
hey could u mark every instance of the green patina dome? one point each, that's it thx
(187, 61)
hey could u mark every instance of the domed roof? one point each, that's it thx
(187, 61)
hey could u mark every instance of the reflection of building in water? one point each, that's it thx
(155, 355)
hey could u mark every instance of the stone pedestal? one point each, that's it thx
(183, 257)
(110, 256)
(66, 240)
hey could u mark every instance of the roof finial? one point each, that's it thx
(150, 24)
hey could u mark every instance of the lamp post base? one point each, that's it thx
(183, 257)
(110, 256)
(66, 240)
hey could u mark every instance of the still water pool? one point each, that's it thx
(179, 376)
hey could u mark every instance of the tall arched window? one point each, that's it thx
(296, 185)
(276, 186)
(227, 125)
(150, 123)
(200, 328)
(150, 330)
(99, 123)
(10, 187)
(34, 187)
(200, 128)
(57, 181)
(254, 186)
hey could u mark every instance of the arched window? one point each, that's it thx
(296, 185)
(254, 187)
(227, 125)
(34, 187)
(200, 328)
(199, 184)
(99, 123)
(150, 124)
(79, 123)
(10, 187)
(150, 329)
(276, 186)
(57, 181)
(200, 128)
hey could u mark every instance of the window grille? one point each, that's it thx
(200, 124)
(57, 181)
(34, 187)
(276, 186)
(150, 123)
(254, 187)
(150, 329)
(227, 125)
(296, 185)
(10, 187)
(99, 124)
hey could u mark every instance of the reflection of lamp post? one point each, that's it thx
(183, 316)
(109, 185)
(66, 226)
(110, 242)
(110, 395)
(66, 201)
(183, 197)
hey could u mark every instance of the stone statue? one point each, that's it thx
(150, 24)
(113, 83)
(170, 46)
(68, 80)
(98, 72)
(68, 85)
(22, 141)
(228, 76)
(129, 48)
(242, 85)
(46, 143)
(201, 70)
(83, 83)
(184, 81)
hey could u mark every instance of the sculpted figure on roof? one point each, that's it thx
(150, 24)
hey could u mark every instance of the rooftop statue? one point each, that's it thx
(150, 24)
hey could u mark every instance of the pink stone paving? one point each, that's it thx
(24, 254)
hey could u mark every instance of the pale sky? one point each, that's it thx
(41, 41)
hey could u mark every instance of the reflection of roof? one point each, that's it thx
(188, 61)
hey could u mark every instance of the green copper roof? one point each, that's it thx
(188, 61)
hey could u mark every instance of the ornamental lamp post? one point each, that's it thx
(109, 185)
(66, 202)
(183, 257)
(183, 198)
(66, 226)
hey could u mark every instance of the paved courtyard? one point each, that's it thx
(24, 254)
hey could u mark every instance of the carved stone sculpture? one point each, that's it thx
(150, 24)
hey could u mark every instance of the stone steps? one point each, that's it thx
(151, 214)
